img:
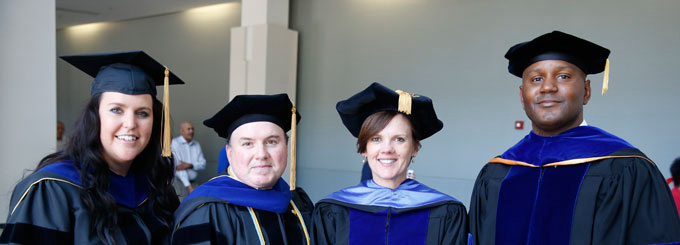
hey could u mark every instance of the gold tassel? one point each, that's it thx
(293, 142)
(404, 102)
(165, 143)
(605, 80)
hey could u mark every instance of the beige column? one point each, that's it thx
(28, 111)
(263, 50)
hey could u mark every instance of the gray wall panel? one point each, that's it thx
(452, 51)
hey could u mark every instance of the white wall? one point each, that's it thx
(194, 44)
(27, 90)
(452, 51)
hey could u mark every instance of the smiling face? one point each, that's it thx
(126, 122)
(257, 152)
(389, 152)
(553, 93)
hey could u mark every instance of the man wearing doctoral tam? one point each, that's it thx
(251, 204)
(567, 182)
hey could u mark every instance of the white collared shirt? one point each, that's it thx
(188, 152)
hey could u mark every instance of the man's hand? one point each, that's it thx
(184, 166)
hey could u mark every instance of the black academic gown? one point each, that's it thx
(46, 209)
(620, 201)
(339, 222)
(212, 220)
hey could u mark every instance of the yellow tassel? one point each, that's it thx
(404, 102)
(605, 80)
(293, 142)
(165, 143)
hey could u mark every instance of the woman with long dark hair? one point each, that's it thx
(110, 184)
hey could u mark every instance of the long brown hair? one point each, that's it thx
(83, 148)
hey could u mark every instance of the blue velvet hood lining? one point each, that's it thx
(233, 191)
(409, 194)
(130, 190)
(536, 204)
(575, 143)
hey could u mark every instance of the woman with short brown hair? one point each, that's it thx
(389, 208)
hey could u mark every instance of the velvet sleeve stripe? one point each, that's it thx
(196, 234)
(30, 234)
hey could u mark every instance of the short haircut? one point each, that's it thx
(675, 171)
(375, 123)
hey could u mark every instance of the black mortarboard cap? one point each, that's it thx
(589, 57)
(129, 72)
(244, 109)
(417, 108)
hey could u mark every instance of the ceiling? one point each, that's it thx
(76, 12)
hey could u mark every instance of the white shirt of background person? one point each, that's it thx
(187, 155)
